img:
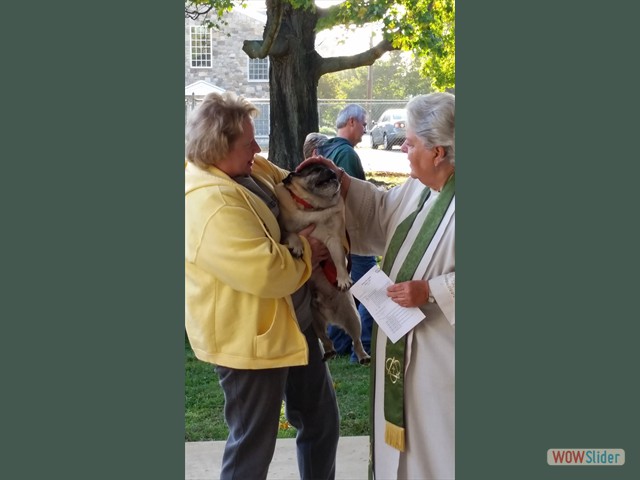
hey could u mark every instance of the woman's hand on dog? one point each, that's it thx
(344, 177)
(319, 251)
(318, 159)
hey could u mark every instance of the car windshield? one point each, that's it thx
(393, 116)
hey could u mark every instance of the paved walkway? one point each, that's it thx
(202, 460)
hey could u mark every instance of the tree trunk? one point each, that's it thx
(293, 79)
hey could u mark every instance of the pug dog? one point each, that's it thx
(312, 195)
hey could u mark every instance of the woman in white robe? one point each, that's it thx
(427, 447)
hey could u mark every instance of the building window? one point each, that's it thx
(261, 122)
(200, 47)
(259, 69)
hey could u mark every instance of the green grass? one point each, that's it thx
(351, 382)
(204, 400)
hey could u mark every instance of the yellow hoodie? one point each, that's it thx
(238, 277)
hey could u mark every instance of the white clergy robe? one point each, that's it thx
(429, 390)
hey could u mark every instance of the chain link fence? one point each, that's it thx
(328, 111)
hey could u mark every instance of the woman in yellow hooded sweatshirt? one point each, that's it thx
(247, 306)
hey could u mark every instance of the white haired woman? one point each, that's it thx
(312, 143)
(413, 226)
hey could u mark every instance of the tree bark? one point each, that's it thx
(293, 80)
(294, 70)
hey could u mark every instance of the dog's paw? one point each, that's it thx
(294, 244)
(365, 361)
(296, 251)
(329, 355)
(343, 284)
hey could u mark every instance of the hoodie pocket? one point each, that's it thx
(283, 338)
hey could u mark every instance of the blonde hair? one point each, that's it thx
(313, 141)
(214, 125)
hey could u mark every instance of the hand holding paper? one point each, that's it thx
(394, 320)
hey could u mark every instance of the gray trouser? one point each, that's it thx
(252, 410)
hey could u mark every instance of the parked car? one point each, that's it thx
(389, 130)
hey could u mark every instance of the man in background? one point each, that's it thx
(351, 125)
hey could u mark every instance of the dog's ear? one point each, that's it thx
(287, 179)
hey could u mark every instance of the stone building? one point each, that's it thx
(214, 61)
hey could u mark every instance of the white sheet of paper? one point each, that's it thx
(393, 319)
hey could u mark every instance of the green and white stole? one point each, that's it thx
(395, 353)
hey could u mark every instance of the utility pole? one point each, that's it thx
(370, 83)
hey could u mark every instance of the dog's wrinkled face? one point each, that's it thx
(316, 184)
